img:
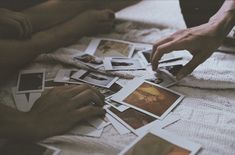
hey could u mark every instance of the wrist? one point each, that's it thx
(223, 22)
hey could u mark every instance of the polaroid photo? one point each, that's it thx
(134, 120)
(121, 129)
(161, 142)
(110, 48)
(149, 98)
(94, 78)
(30, 81)
(24, 102)
(163, 78)
(122, 64)
(116, 105)
(89, 60)
(64, 76)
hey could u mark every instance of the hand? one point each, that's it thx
(14, 25)
(61, 109)
(200, 41)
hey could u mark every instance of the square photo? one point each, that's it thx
(30, 81)
(110, 48)
(94, 78)
(149, 98)
(133, 119)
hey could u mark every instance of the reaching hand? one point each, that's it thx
(61, 109)
(200, 41)
(14, 24)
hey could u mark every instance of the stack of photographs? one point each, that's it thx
(141, 103)
(134, 105)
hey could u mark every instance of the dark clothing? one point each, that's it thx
(18, 5)
(197, 12)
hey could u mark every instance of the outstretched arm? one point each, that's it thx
(200, 41)
(15, 53)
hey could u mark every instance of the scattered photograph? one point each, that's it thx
(161, 142)
(64, 76)
(94, 78)
(89, 60)
(30, 81)
(122, 64)
(148, 98)
(131, 118)
(110, 48)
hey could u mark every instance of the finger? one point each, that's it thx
(85, 98)
(160, 42)
(16, 26)
(190, 66)
(88, 112)
(106, 15)
(98, 93)
(27, 29)
(165, 48)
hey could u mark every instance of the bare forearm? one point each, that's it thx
(54, 12)
(16, 53)
(225, 17)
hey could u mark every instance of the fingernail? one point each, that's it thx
(111, 15)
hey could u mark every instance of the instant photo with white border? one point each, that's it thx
(94, 78)
(171, 138)
(122, 64)
(31, 81)
(133, 86)
(97, 43)
(137, 131)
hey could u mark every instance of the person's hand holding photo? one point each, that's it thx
(201, 41)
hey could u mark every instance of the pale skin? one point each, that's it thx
(29, 33)
(200, 41)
